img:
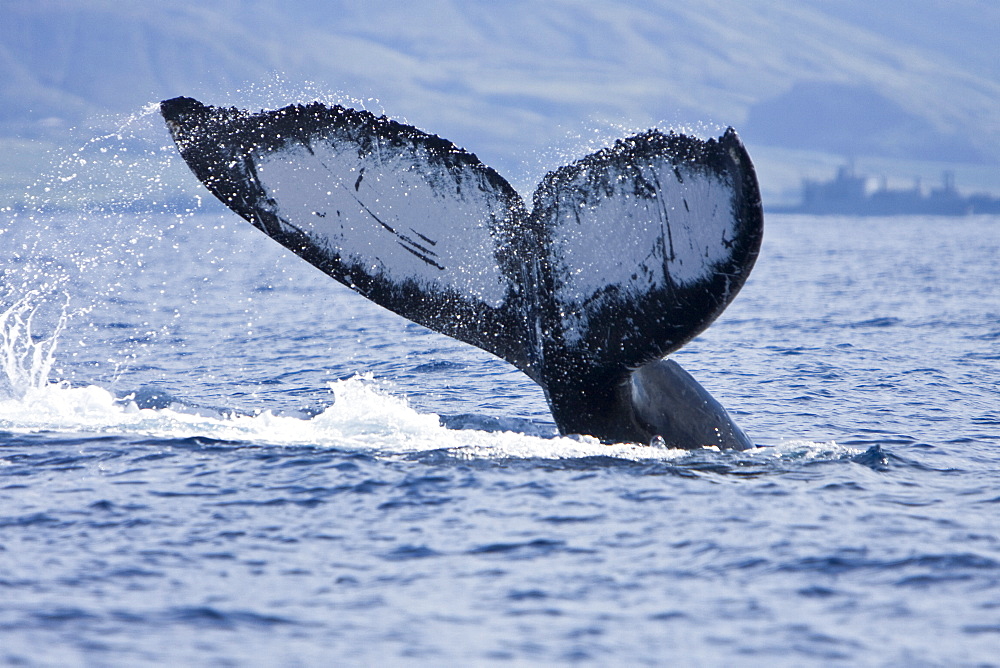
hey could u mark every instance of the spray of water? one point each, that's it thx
(90, 226)
(25, 358)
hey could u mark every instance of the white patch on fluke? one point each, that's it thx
(391, 212)
(635, 233)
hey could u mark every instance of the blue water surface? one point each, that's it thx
(213, 483)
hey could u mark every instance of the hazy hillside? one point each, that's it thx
(911, 80)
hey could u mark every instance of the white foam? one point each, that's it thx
(365, 416)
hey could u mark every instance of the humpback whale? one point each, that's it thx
(625, 256)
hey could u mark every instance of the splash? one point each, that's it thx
(365, 415)
(25, 358)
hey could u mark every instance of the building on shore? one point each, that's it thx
(848, 194)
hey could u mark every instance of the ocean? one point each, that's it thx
(211, 454)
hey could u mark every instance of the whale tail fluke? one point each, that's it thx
(625, 256)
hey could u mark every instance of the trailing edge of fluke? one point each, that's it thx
(625, 256)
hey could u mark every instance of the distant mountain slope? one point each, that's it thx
(508, 78)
